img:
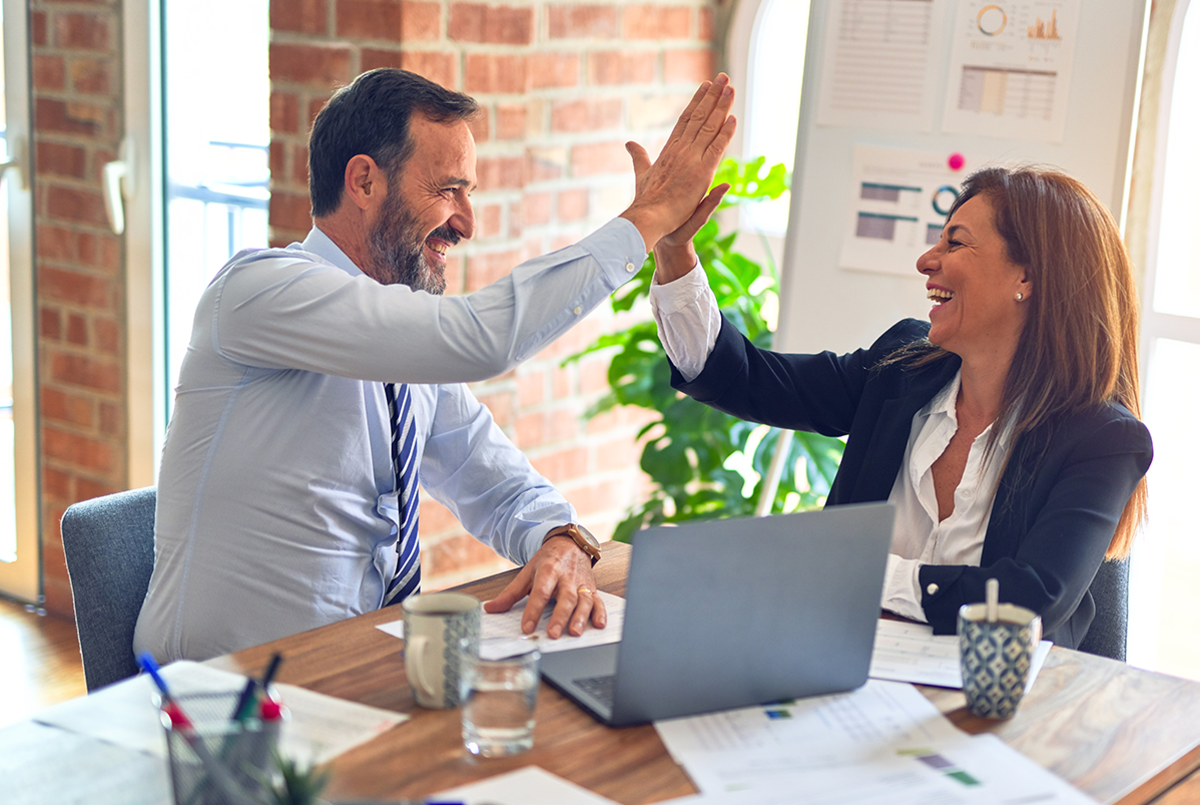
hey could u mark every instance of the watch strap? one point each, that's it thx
(572, 532)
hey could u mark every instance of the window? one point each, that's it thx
(775, 71)
(216, 137)
(199, 124)
(1166, 561)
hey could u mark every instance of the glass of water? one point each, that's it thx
(499, 694)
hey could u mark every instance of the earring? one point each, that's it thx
(1020, 296)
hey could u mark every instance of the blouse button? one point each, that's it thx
(577, 311)
(630, 267)
(932, 588)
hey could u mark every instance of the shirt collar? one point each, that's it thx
(944, 401)
(322, 246)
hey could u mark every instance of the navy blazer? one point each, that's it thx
(1058, 502)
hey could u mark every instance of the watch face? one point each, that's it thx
(587, 535)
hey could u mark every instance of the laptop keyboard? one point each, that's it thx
(599, 687)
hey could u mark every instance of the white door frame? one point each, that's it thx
(22, 579)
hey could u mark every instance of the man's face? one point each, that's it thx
(426, 209)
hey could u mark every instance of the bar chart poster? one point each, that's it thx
(1010, 68)
(899, 201)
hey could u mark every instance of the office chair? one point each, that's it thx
(109, 546)
(1108, 631)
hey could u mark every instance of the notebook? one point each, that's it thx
(737, 612)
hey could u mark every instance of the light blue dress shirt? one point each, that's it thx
(276, 508)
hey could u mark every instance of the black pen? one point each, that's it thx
(242, 709)
(269, 674)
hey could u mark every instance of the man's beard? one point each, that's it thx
(397, 249)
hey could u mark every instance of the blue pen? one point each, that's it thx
(147, 663)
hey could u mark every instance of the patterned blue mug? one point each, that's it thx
(996, 657)
(436, 625)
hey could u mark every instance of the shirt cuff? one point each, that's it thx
(619, 249)
(688, 320)
(902, 588)
(681, 293)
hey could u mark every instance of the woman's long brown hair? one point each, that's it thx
(1079, 346)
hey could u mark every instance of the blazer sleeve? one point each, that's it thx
(1046, 540)
(819, 393)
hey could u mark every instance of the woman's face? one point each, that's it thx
(974, 286)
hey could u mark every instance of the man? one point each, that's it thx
(322, 383)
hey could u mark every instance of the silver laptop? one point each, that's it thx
(737, 612)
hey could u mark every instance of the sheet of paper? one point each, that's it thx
(899, 200)
(528, 786)
(41, 764)
(881, 64)
(508, 625)
(1010, 68)
(909, 652)
(818, 731)
(978, 770)
(883, 743)
(321, 727)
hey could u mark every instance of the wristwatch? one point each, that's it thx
(580, 536)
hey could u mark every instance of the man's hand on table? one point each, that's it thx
(559, 570)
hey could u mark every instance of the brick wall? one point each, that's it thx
(563, 86)
(77, 109)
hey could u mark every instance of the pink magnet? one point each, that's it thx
(956, 161)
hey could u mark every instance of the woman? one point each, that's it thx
(1005, 430)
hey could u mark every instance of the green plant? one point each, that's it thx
(300, 784)
(696, 456)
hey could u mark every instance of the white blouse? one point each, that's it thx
(688, 324)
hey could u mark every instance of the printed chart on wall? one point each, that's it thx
(898, 206)
(881, 68)
(1010, 69)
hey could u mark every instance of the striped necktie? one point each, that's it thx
(404, 463)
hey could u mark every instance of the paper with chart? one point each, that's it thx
(882, 743)
(898, 204)
(494, 626)
(321, 727)
(910, 652)
(978, 770)
(882, 64)
(1010, 68)
(753, 745)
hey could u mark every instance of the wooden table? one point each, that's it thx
(1117, 733)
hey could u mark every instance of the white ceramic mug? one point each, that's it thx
(435, 625)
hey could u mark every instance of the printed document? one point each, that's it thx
(978, 770)
(321, 727)
(494, 626)
(910, 652)
(882, 743)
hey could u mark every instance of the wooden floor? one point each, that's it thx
(39, 662)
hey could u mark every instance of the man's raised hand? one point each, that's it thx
(671, 189)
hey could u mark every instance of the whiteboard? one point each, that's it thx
(824, 306)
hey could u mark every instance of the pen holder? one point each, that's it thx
(214, 759)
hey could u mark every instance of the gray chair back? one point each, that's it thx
(1107, 635)
(109, 545)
